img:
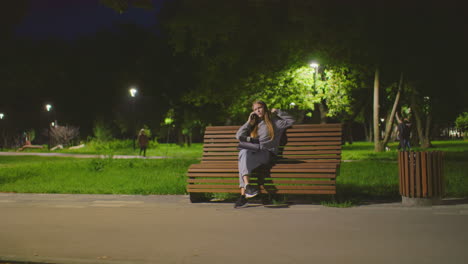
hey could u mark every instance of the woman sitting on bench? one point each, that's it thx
(259, 140)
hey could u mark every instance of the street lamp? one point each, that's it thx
(48, 108)
(133, 92)
(315, 66)
(2, 115)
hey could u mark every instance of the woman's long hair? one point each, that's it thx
(266, 119)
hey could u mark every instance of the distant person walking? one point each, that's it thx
(143, 141)
(404, 132)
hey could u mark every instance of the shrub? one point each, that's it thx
(63, 134)
(462, 123)
(102, 132)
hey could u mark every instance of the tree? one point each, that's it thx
(462, 123)
(63, 135)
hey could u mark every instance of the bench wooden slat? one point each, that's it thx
(275, 181)
(232, 146)
(299, 126)
(220, 136)
(285, 153)
(231, 164)
(317, 159)
(336, 141)
(311, 161)
(277, 187)
(281, 165)
(290, 144)
(275, 175)
(331, 140)
(233, 131)
(264, 191)
(291, 136)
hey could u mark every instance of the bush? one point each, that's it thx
(102, 132)
(462, 123)
(63, 134)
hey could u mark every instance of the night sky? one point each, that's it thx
(72, 19)
(57, 28)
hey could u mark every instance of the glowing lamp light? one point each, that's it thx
(2, 115)
(314, 65)
(48, 107)
(133, 92)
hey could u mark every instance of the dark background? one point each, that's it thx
(188, 57)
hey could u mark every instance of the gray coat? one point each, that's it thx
(280, 124)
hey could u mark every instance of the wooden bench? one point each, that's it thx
(307, 164)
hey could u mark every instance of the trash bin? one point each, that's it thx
(421, 177)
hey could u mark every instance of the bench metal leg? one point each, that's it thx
(197, 197)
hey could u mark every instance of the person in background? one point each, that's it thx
(404, 132)
(143, 141)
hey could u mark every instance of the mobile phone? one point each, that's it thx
(254, 117)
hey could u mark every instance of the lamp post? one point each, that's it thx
(315, 66)
(2, 115)
(48, 108)
(133, 92)
(321, 105)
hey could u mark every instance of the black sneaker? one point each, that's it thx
(241, 202)
(250, 191)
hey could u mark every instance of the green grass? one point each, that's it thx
(364, 175)
(125, 147)
(93, 176)
(371, 175)
(456, 150)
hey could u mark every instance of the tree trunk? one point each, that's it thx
(323, 112)
(180, 136)
(301, 117)
(419, 125)
(366, 131)
(348, 132)
(426, 141)
(391, 116)
(423, 128)
(377, 146)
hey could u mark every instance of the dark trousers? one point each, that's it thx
(143, 149)
(404, 144)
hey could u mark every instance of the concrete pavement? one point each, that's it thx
(75, 229)
(72, 155)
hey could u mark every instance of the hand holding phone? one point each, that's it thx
(253, 118)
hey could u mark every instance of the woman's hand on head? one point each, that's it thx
(252, 119)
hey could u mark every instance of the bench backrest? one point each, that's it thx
(306, 143)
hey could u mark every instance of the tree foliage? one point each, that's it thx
(210, 59)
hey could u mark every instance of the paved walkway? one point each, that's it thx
(53, 154)
(119, 229)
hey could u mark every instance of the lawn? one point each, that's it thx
(364, 174)
(29, 174)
